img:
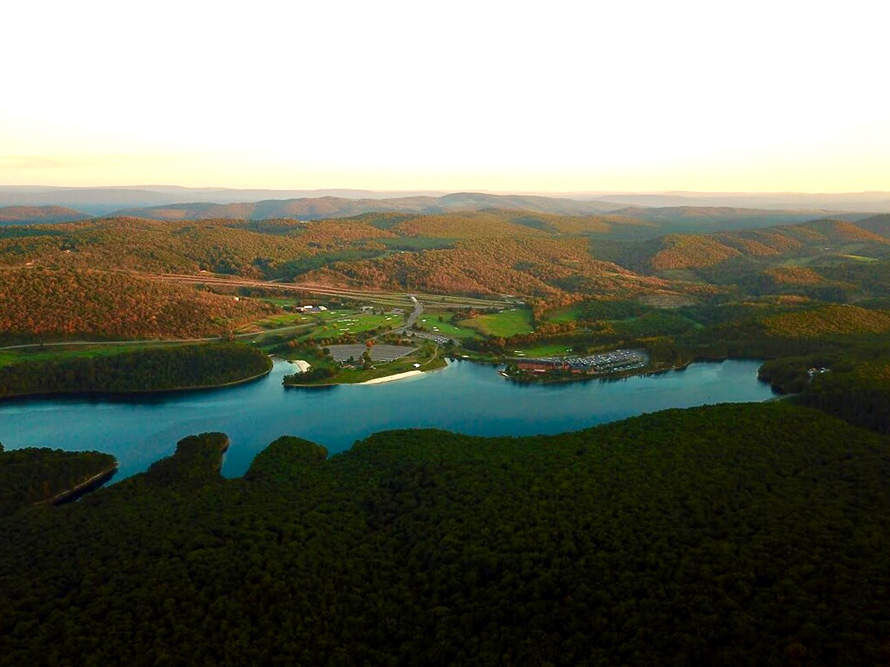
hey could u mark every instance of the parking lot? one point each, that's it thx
(605, 362)
(380, 353)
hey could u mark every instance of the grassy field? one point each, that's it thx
(446, 328)
(859, 258)
(353, 323)
(280, 301)
(283, 320)
(506, 323)
(544, 350)
(567, 314)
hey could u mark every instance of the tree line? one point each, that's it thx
(152, 369)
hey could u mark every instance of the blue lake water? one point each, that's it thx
(465, 397)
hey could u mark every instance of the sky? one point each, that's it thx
(497, 96)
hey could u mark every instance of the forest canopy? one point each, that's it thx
(723, 535)
(151, 369)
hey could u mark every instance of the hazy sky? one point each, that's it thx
(537, 96)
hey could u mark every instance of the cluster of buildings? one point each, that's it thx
(607, 362)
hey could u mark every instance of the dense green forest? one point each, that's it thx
(725, 535)
(33, 475)
(152, 369)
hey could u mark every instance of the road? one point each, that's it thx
(412, 318)
(455, 301)
(165, 341)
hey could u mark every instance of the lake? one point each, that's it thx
(464, 397)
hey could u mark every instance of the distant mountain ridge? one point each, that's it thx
(106, 200)
(331, 207)
(685, 218)
(26, 215)
(867, 202)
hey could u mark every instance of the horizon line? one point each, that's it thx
(428, 192)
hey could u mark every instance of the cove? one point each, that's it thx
(464, 397)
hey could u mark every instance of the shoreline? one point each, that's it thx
(545, 378)
(132, 393)
(91, 484)
(391, 378)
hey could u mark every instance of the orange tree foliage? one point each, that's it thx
(62, 304)
(548, 268)
(467, 226)
(793, 275)
(686, 252)
(696, 251)
(827, 321)
(187, 247)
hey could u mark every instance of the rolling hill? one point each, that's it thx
(695, 251)
(878, 224)
(493, 251)
(26, 215)
(329, 207)
(76, 303)
(540, 267)
(107, 200)
(588, 216)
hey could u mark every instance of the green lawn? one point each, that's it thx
(357, 323)
(545, 350)
(562, 315)
(280, 300)
(859, 258)
(446, 328)
(506, 323)
(283, 320)
(354, 323)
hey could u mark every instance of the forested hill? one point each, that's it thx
(105, 305)
(313, 208)
(35, 475)
(698, 251)
(26, 215)
(879, 224)
(724, 535)
(688, 218)
(701, 218)
(147, 370)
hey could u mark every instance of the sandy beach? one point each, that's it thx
(392, 378)
(302, 365)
